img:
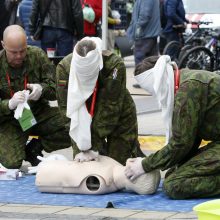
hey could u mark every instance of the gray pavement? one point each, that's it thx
(150, 123)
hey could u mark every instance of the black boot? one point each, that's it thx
(32, 150)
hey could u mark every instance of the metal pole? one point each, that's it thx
(104, 23)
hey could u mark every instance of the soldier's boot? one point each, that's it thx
(32, 150)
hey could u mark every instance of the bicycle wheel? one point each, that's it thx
(198, 58)
(184, 49)
(172, 49)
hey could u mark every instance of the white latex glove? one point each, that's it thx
(19, 110)
(18, 97)
(36, 91)
(33, 170)
(86, 156)
(134, 168)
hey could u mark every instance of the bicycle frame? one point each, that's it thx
(214, 47)
(199, 32)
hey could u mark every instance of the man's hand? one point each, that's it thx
(86, 156)
(117, 21)
(36, 91)
(18, 97)
(134, 168)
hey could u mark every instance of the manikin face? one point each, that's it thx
(15, 51)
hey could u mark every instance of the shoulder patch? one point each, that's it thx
(62, 82)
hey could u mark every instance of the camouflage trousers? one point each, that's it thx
(50, 129)
(199, 177)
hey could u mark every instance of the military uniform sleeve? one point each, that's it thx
(4, 109)
(4, 88)
(46, 74)
(62, 77)
(110, 100)
(187, 115)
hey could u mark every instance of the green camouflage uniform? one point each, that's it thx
(196, 116)
(50, 126)
(114, 125)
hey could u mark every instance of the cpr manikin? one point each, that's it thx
(94, 177)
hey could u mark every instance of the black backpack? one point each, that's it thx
(163, 17)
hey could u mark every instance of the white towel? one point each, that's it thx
(20, 108)
(84, 73)
(160, 82)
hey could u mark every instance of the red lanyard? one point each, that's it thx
(9, 83)
(92, 108)
(176, 80)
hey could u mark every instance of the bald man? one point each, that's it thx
(27, 68)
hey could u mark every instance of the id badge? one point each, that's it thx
(27, 119)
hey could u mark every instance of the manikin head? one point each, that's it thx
(15, 45)
(94, 177)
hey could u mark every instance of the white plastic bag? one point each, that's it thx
(88, 14)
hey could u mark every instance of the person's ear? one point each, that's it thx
(3, 45)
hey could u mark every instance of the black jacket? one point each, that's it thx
(4, 18)
(12, 7)
(65, 14)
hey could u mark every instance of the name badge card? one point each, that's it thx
(27, 119)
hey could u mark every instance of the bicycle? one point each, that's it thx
(203, 57)
(196, 39)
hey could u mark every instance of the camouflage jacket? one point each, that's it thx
(37, 68)
(114, 109)
(196, 116)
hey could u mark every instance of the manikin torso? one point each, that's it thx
(94, 177)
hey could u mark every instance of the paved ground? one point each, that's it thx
(150, 123)
(27, 212)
